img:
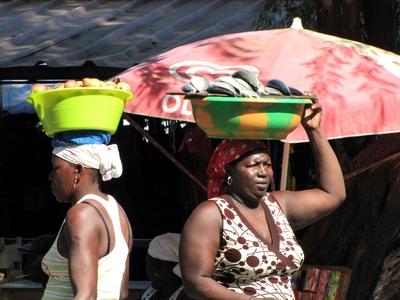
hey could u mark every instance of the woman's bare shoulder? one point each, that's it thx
(207, 206)
(206, 211)
(80, 214)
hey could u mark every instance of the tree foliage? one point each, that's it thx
(372, 22)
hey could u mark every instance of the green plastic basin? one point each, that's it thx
(270, 117)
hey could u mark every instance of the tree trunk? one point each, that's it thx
(340, 17)
(387, 286)
(372, 22)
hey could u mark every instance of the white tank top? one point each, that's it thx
(110, 267)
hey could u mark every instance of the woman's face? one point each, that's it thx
(251, 176)
(62, 177)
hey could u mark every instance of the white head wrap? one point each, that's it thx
(104, 158)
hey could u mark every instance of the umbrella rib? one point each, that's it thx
(371, 166)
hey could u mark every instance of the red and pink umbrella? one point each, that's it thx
(357, 85)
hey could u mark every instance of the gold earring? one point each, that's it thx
(76, 178)
(229, 180)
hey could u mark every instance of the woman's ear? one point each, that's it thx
(228, 175)
(228, 170)
(77, 176)
(78, 172)
(79, 168)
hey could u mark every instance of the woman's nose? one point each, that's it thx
(262, 170)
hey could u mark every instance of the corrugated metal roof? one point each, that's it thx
(112, 33)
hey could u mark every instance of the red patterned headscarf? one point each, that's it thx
(226, 152)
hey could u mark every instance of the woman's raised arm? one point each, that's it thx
(305, 207)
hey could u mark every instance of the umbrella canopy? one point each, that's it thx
(357, 85)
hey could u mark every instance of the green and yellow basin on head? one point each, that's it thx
(79, 109)
(269, 117)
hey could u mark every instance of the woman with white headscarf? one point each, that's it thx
(90, 256)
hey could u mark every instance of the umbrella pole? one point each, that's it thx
(163, 151)
(285, 166)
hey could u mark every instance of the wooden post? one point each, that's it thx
(285, 166)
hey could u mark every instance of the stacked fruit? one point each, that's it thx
(85, 82)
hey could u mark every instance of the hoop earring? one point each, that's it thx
(229, 180)
(76, 178)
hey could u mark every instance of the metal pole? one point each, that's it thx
(285, 166)
(165, 152)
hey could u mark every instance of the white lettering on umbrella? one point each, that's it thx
(184, 70)
(185, 108)
(173, 103)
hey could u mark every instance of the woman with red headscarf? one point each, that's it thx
(240, 244)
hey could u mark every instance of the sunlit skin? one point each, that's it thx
(62, 177)
(83, 239)
(251, 177)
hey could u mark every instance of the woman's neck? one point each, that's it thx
(245, 203)
(79, 193)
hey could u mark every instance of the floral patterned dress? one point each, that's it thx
(246, 262)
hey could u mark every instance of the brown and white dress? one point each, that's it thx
(247, 263)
